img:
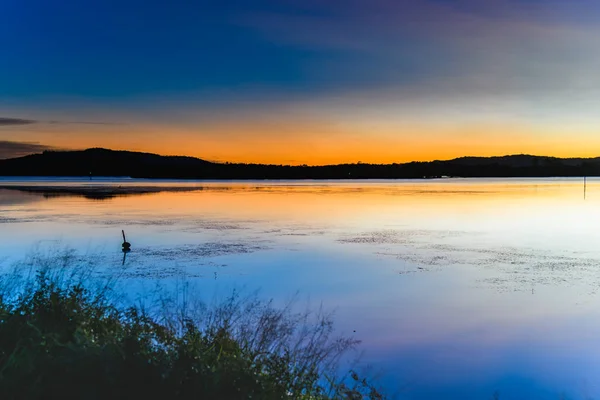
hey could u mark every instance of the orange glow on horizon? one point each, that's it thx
(318, 143)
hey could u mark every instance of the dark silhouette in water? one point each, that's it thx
(103, 162)
(126, 245)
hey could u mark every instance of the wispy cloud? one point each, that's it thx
(82, 123)
(462, 48)
(11, 149)
(15, 121)
(9, 121)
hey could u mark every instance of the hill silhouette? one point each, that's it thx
(104, 162)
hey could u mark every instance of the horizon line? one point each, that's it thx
(304, 164)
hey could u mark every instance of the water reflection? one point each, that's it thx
(457, 288)
(90, 193)
(14, 197)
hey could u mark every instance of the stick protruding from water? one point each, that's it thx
(126, 244)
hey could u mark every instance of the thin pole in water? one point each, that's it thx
(584, 186)
(126, 245)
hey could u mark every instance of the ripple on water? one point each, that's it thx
(188, 251)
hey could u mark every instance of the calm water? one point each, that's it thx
(457, 288)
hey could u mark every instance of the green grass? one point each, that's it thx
(64, 335)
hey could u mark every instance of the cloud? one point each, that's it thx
(507, 48)
(456, 61)
(9, 121)
(15, 121)
(83, 123)
(10, 149)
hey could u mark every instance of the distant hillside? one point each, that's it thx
(103, 162)
(99, 162)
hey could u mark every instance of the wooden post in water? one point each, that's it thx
(584, 186)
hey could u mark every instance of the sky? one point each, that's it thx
(302, 81)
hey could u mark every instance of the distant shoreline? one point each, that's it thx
(109, 163)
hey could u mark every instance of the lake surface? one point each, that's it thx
(457, 287)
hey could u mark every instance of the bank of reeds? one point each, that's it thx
(65, 334)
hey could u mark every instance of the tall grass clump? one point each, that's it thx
(65, 333)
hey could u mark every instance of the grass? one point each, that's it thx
(65, 334)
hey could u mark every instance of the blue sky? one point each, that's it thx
(310, 72)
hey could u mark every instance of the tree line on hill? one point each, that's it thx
(103, 162)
